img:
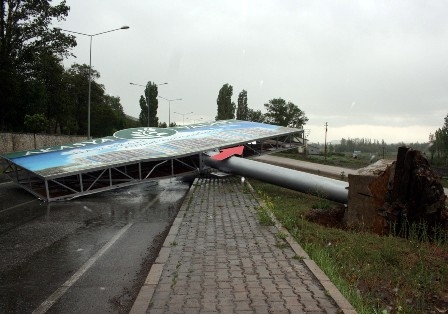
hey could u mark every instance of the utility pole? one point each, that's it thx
(306, 133)
(326, 128)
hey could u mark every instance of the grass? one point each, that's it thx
(339, 160)
(263, 211)
(444, 182)
(377, 274)
(263, 217)
(175, 274)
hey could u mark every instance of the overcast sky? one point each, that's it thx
(370, 68)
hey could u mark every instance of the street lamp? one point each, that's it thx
(146, 96)
(183, 116)
(195, 120)
(90, 67)
(169, 108)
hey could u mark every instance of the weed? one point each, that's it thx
(176, 274)
(174, 279)
(264, 218)
(174, 243)
(281, 245)
(321, 201)
(321, 204)
(281, 235)
(297, 257)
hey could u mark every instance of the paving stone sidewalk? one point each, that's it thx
(219, 259)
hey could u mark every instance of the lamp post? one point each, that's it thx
(195, 120)
(169, 108)
(183, 116)
(90, 67)
(146, 96)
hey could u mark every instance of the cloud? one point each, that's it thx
(353, 63)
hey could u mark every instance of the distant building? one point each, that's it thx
(310, 148)
(313, 150)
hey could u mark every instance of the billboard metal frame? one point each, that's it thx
(71, 185)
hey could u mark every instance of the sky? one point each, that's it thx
(373, 69)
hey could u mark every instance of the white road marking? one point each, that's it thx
(15, 206)
(48, 303)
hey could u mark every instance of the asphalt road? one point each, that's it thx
(88, 255)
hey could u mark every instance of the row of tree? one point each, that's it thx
(36, 92)
(367, 145)
(436, 149)
(439, 144)
(278, 111)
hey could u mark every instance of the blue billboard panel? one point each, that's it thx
(142, 144)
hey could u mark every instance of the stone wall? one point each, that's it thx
(13, 142)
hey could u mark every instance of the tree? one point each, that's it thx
(50, 76)
(35, 123)
(285, 114)
(149, 105)
(78, 87)
(26, 36)
(226, 108)
(440, 143)
(115, 106)
(143, 116)
(255, 115)
(102, 123)
(242, 109)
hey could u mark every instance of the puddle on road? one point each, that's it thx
(150, 201)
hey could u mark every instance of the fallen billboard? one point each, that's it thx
(138, 154)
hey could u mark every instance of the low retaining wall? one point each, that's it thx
(13, 142)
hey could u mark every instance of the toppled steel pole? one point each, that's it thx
(331, 189)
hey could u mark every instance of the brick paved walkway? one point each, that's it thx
(219, 259)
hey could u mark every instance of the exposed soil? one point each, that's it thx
(330, 217)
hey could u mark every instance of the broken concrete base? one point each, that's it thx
(390, 194)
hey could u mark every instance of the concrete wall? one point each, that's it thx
(13, 142)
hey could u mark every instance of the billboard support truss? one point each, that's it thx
(68, 185)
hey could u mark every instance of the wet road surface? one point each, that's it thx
(88, 255)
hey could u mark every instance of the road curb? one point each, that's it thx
(143, 300)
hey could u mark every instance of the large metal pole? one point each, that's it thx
(169, 107)
(90, 89)
(90, 67)
(326, 127)
(147, 102)
(331, 189)
(183, 116)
